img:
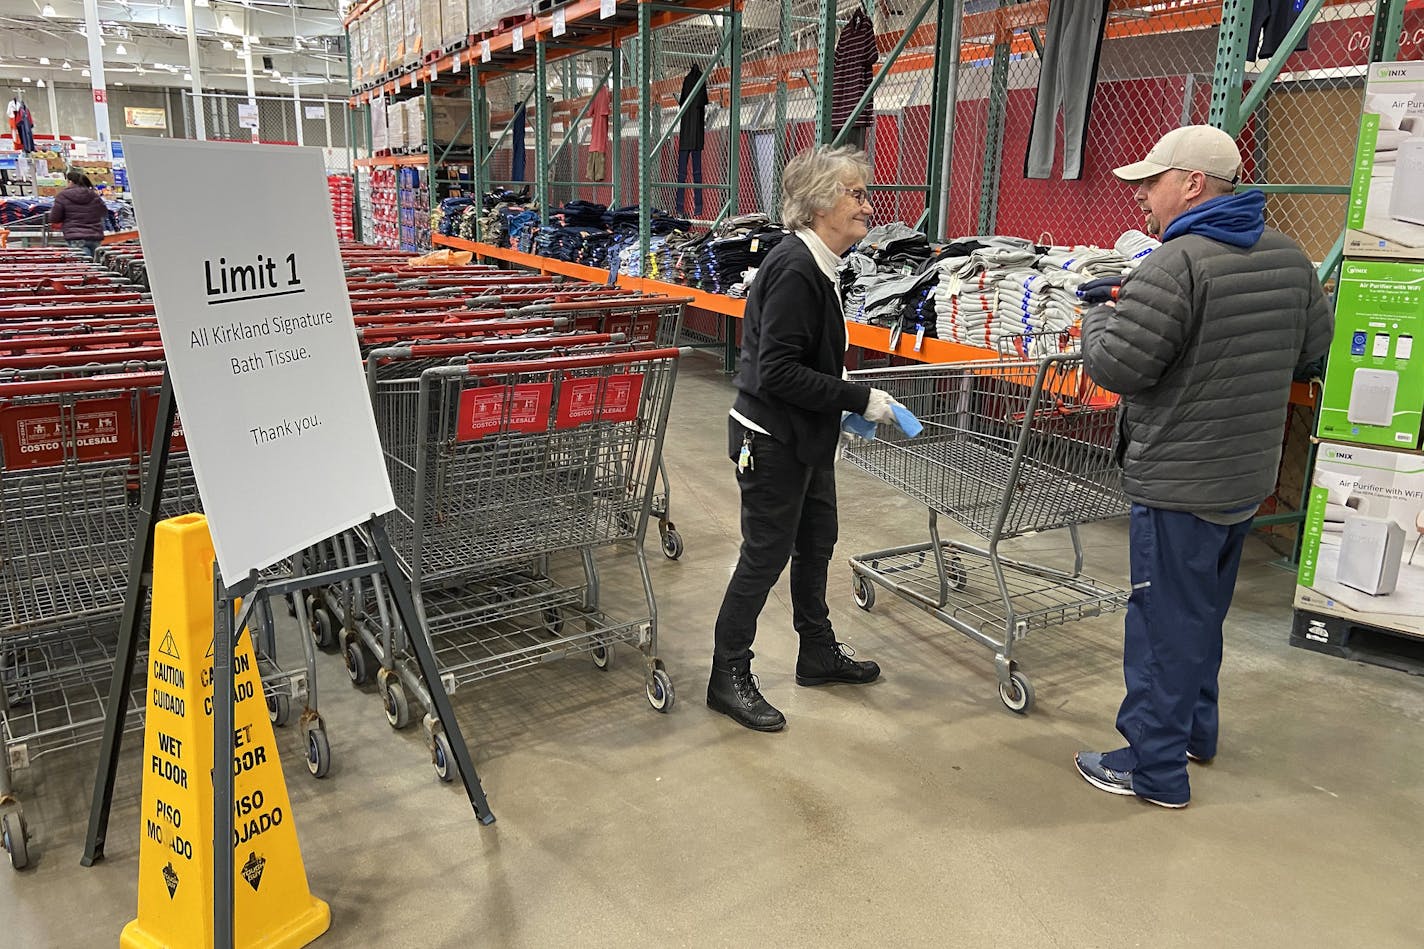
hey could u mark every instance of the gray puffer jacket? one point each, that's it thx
(1202, 346)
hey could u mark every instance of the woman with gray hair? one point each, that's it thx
(783, 432)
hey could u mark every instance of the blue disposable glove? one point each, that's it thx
(862, 427)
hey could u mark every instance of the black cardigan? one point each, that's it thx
(793, 351)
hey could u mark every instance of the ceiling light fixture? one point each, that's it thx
(48, 11)
(227, 26)
(84, 72)
(66, 67)
(40, 84)
(120, 51)
(44, 60)
(24, 78)
(187, 77)
(227, 45)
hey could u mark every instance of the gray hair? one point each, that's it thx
(812, 181)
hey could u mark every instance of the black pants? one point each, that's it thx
(788, 512)
(695, 158)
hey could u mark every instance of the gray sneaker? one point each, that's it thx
(1090, 766)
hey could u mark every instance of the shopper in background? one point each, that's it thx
(784, 430)
(79, 212)
(1202, 344)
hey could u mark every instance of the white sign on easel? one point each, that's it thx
(260, 345)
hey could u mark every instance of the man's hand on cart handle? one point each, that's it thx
(881, 407)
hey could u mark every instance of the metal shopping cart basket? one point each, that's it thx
(1009, 448)
(497, 468)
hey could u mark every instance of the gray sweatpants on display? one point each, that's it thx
(1066, 77)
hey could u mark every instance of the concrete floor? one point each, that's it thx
(916, 811)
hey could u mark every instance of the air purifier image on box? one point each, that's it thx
(1406, 200)
(1372, 393)
(1370, 551)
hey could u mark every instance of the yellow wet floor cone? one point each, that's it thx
(272, 906)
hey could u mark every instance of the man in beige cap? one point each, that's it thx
(1202, 344)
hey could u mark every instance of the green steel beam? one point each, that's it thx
(615, 122)
(825, 68)
(1263, 81)
(479, 131)
(1389, 21)
(869, 95)
(994, 136)
(645, 128)
(733, 23)
(1229, 72)
(779, 144)
(541, 128)
(948, 27)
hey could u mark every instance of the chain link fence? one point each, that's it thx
(319, 121)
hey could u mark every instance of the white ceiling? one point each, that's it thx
(154, 34)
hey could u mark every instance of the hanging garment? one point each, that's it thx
(852, 70)
(25, 128)
(600, 111)
(1271, 20)
(516, 137)
(684, 158)
(1067, 75)
(692, 133)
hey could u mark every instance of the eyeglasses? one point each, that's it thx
(860, 195)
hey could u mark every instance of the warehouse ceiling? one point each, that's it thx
(145, 43)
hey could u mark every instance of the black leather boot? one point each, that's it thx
(733, 692)
(822, 662)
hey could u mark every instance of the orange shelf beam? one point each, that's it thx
(400, 161)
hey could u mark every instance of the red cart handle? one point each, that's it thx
(571, 362)
(128, 380)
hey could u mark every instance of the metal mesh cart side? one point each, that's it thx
(1009, 448)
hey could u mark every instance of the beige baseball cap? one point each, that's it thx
(1201, 148)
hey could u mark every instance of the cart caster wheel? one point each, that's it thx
(554, 620)
(672, 544)
(1017, 693)
(279, 708)
(443, 758)
(358, 666)
(323, 629)
(603, 657)
(864, 592)
(397, 705)
(318, 751)
(14, 834)
(958, 576)
(659, 688)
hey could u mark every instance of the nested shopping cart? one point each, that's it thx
(69, 476)
(1009, 448)
(498, 470)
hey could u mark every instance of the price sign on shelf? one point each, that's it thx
(561, 22)
(607, 8)
(484, 51)
(455, 63)
(517, 43)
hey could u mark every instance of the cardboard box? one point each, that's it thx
(432, 35)
(413, 47)
(380, 126)
(395, 125)
(455, 23)
(395, 34)
(1374, 379)
(1386, 213)
(414, 122)
(1361, 501)
(450, 120)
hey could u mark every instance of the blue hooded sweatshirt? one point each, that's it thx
(1235, 219)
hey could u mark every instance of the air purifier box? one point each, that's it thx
(1361, 555)
(1374, 379)
(1386, 212)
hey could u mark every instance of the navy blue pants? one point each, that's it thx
(1183, 575)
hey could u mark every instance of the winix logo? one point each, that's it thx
(1392, 73)
(1343, 456)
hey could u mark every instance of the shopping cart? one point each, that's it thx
(503, 473)
(69, 463)
(1009, 448)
